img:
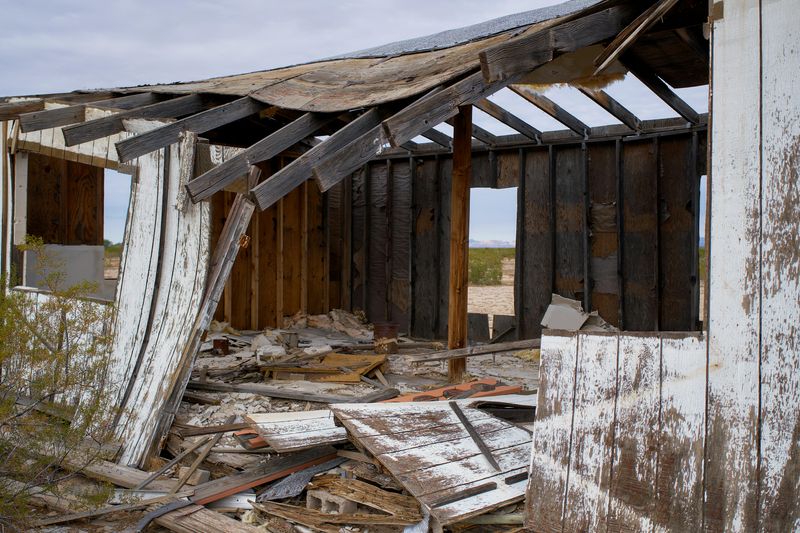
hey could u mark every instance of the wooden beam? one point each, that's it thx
(604, 100)
(436, 108)
(552, 109)
(442, 139)
(415, 119)
(11, 110)
(105, 126)
(62, 116)
(520, 55)
(459, 241)
(633, 31)
(289, 177)
(661, 89)
(222, 175)
(480, 134)
(202, 122)
(509, 119)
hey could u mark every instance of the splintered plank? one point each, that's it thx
(592, 438)
(428, 450)
(287, 432)
(552, 433)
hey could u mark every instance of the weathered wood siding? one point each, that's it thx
(618, 439)
(621, 213)
(162, 276)
(754, 307)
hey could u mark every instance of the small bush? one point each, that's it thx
(486, 265)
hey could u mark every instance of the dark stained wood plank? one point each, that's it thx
(133, 147)
(552, 109)
(445, 173)
(661, 89)
(425, 256)
(603, 230)
(569, 207)
(316, 254)
(400, 227)
(223, 175)
(299, 170)
(604, 100)
(509, 119)
(459, 241)
(640, 235)
(292, 253)
(359, 239)
(105, 126)
(678, 183)
(379, 234)
(535, 243)
(520, 55)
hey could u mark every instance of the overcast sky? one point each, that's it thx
(59, 45)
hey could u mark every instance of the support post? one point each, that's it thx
(459, 237)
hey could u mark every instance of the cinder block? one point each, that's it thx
(328, 503)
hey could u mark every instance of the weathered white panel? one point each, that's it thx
(734, 302)
(780, 259)
(184, 262)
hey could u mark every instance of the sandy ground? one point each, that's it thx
(494, 299)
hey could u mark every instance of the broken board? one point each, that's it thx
(429, 451)
(334, 368)
(293, 431)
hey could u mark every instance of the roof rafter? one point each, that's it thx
(628, 36)
(479, 133)
(509, 119)
(514, 56)
(63, 116)
(219, 177)
(286, 179)
(620, 112)
(105, 126)
(552, 109)
(202, 122)
(661, 89)
(442, 139)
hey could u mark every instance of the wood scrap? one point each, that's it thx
(333, 368)
(327, 521)
(200, 458)
(446, 355)
(397, 505)
(110, 509)
(294, 431)
(171, 463)
(294, 484)
(209, 430)
(371, 473)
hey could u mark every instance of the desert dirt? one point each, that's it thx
(494, 299)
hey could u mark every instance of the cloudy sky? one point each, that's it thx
(59, 45)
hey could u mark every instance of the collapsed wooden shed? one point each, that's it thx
(301, 189)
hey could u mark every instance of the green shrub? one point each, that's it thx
(486, 265)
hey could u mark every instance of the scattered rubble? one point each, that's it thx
(309, 428)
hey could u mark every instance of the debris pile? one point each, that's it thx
(309, 428)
